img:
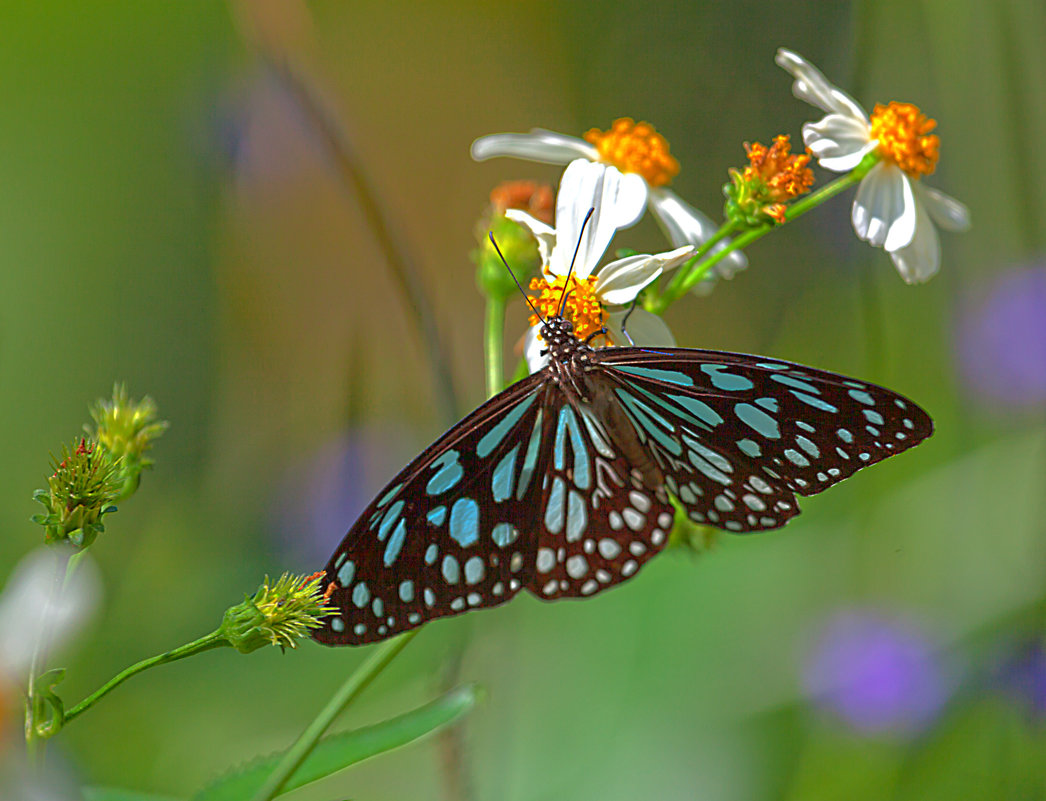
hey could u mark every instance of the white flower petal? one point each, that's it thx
(837, 142)
(681, 222)
(545, 234)
(812, 87)
(620, 281)
(921, 259)
(643, 327)
(945, 210)
(615, 200)
(547, 147)
(532, 347)
(884, 210)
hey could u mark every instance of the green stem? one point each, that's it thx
(676, 290)
(352, 687)
(684, 271)
(212, 640)
(493, 342)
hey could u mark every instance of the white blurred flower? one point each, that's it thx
(609, 194)
(635, 149)
(893, 209)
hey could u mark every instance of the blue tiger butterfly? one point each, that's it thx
(560, 484)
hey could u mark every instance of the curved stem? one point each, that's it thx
(213, 640)
(676, 290)
(352, 687)
(493, 341)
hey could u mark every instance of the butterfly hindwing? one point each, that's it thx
(737, 436)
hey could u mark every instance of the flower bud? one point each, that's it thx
(81, 490)
(277, 615)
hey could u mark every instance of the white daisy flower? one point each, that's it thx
(893, 209)
(611, 197)
(635, 149)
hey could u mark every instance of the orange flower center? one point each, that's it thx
(635, 147)
(784, 176)
(582, 307)
(905, 139)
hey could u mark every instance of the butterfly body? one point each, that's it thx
(561, 484)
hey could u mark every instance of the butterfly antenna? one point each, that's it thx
(504, 261)
(570, 272)
(628, 314)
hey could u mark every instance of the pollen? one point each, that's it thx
(905, 139)
(783, 176)
(582, 308)
(635, 147)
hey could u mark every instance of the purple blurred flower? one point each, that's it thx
(876, 672)
(322, 498)
(1001, 340)
(1023, 676)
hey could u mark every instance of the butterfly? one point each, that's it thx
(561, 484)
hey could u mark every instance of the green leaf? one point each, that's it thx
(342, 750)
(116, 794)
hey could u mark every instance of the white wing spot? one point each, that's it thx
(609, 548)
(633, 519)
(546, 560)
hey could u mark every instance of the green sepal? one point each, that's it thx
(48, 711)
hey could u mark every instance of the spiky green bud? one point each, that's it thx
(278, 614)
(127, 428)
(84, 485)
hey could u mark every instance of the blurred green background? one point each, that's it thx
(170, 216)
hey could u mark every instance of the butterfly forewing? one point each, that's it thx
(738, 435)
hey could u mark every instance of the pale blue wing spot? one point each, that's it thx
(554, 508)
(861, 396)
(577, 517)
(568, 426)
(817, 403)
(448, 473)
(770, 404)
(899, 403)
(703, 413)
(723, 504)
(504, 534)
(457, 604)
(407, 591)
(908, 424)
(361, 595)
(758, 420)
(341, 558)
(864, 457)
(773, 365)
(530, 459)
(378, 607)
(430, 597)
(901, 435)
(702, 464)
(808, 446)
(337, 624)
(392, 549)
(855, 384)
(504, 475)
(845, 436)
(805, 426)
(795, 383)
(796, 458)
(437, 516)
(651, 422)
(464, 522)
(670, 376)
(872, 416)
(359, 629)
(474, 570)
(724, 380)
(431, 553)
(388, 496)
(389, 519)
(715, 458)
(489, 441)
(346, 574)
(451, 570)
(750, 447)
(872, 430)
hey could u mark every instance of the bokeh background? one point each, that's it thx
(172, 216)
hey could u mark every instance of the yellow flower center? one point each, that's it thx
(905, 139)
(635, 147)
(582, 308)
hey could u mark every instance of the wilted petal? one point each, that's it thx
(838, 142)
(614, 201)
(545, 234)
(620, 281)
(540, 145)
(920, 260)
(533, 346)
(643, 327)
(812, 87)
(685, 225)
(945, 210)
(884, 211)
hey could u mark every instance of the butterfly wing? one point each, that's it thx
(738, 436)
(453, 530)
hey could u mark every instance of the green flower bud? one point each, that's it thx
(127, 428)
(277, 615)
(81, 490)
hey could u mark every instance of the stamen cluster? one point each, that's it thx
(904, 138)
(772, 178)
(635, 147)
(582, 307)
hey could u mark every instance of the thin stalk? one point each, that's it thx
(493, 345)
(674, 290)
(681, 274)
(212, 640)
(345, 695)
